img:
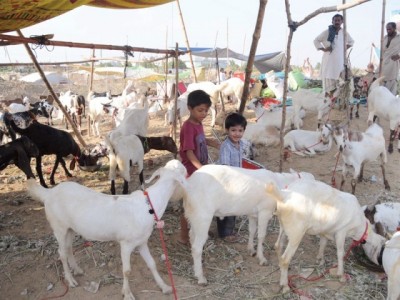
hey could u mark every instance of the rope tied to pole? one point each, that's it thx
(42, 41)
(293, 26)
(127, 53)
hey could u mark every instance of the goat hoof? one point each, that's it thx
(285, 289)
(202, 281)
(167, 289)
(390, 149)
(263, 262)
(52, 182)
(357, 116)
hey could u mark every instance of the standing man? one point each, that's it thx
(331, 42)
(391, 62)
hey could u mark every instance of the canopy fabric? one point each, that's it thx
(264, 62)
(23, 13)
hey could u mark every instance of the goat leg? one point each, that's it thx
(40, 172)
(385, 182)
(361, 175)
(125, 188)
(64, 167)
(112, 189)
(353, 186)
(342, 183)
(392, 136)
(53, 172)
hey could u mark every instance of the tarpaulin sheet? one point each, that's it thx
(17, 14)
(264, 62)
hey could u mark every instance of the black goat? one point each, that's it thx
(19, 153)
(50, 140)
(159, 143)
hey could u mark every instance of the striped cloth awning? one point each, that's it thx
(23, 13)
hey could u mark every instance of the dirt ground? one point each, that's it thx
(30, 269)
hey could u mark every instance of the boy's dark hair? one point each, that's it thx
(235, 119)
(198, 97)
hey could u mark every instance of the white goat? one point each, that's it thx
(230, 191)
(125, 151)
(71, 207)
(385, 217)
(391, 265)
(315, 208)
(271, 117)
(233, 88)
(302, 142)
(17, 107)
(261, 134)
(357, 148)
(98, 108)
(309, 101)
(135, 121)
(383, 104)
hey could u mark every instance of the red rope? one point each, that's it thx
(160, 225)
(353, 244)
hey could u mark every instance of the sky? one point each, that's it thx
(209, 23)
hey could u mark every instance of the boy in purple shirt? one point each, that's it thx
(193, 143)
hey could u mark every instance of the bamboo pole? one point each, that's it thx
(252, 54)
(25, 40)
(382, 36)
(92, 72)
(46, 82)
(219, 80)
(176, 88)
(187, 41)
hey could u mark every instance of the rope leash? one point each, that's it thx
(160, 225)
(326, 271)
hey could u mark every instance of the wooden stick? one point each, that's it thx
(46, 82)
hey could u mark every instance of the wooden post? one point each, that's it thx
(252, 54)
(219, 81)
(382, 36)
(176, 87)
(44, 78)
(92, 71)
(187, 41)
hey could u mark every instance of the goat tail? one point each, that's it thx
(376, 83)
(36, 191)
(273, 191)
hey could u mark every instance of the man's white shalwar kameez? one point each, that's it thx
(390, 68)
(332, 62)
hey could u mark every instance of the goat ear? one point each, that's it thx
(72, 164)
(158, 172)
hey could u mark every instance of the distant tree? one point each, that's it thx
(318, 66)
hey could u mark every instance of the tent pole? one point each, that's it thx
(92, 71)
(176, 87)
(382, 36)
(219, 81)
(44, 78)
(187, 41)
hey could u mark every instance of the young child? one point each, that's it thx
(193, 143)
(231, 154)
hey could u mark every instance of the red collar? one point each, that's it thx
(363, 238)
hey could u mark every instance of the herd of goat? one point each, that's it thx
(302, 204)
